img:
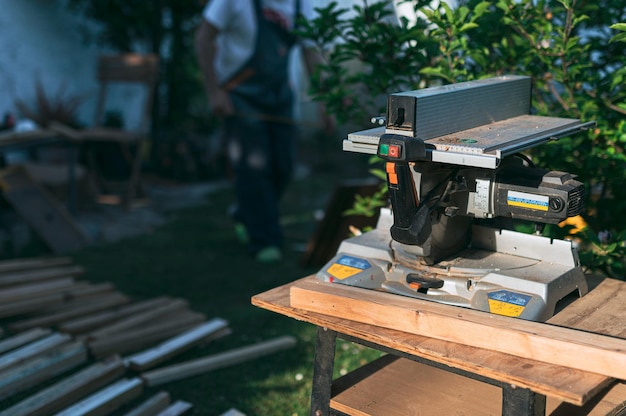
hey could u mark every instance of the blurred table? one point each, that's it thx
(32, 140)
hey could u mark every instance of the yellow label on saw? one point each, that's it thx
(347, 266)
(507, 303)
(342, 272)
(526, 200)
(505, 309)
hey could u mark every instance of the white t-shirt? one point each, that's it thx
(236, 22)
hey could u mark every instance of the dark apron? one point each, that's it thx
(264, 79)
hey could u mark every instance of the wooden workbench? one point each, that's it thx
(483, 381)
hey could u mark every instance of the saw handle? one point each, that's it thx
(410, 220)
(422, 283)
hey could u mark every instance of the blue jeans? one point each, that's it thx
(261, 146)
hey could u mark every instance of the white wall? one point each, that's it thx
(40, 39)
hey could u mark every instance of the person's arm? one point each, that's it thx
(312, 57)
(206, 51)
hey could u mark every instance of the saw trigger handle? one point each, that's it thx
(423, 283)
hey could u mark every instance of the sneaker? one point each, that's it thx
(270, 254)
(241, 233)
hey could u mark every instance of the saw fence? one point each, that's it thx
(72, 347)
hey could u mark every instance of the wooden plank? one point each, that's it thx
(45, 215)
(26, 263)
(19, 340)
(177, 408)
(48, 302)
(30, 290)
(82, 294)
(391, 386)
(93, 321)
(68, 390)
(99, 304)
(213, 362)
(107, 400)
(30, 305)
(572, 386)
(176, 345)
(131, 341)
(538, 341)
(34, 349)
(139, 319)
(26, 276)
(42, 368)
(602, 310)
(608, 402)
(152, 406)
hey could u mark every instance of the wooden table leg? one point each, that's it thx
(323, 371)
(522, 402)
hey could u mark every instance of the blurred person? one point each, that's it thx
(243, 48)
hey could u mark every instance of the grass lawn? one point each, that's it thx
(196, 256)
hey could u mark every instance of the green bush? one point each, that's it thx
(575, 52)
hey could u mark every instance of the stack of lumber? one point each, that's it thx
(78, 348)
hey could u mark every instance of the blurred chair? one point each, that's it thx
(129, 68)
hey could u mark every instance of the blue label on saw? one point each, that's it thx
(355, 262)
(504, 302)
(510, 297)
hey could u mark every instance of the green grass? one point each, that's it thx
(196, 256)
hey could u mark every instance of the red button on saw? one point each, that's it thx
(394, 151)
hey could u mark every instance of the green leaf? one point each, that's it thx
(468, 26)
(618, 26)
(618, 38)
(481, 8)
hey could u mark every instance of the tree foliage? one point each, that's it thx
(574, 50)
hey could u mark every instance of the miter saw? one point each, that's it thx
(455, 177)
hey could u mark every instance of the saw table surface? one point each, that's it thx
(602, 311)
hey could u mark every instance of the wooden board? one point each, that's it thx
(106, 400)
(560, 346)
(133, 340)
(23, 338)
(27, 263)
(34, 371)
(152, 406)
(97, 320)
(177, 408)
(213, 362)
(602, 310)
(19, 277)
(566, 384)
(68, 390)
(152, 357)
(392, 386)
(71, 311)
(139, 319)
(49, 219)
(30, 290)
(32, 350)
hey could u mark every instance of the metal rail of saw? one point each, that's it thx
(473, 123)
(483, 146)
